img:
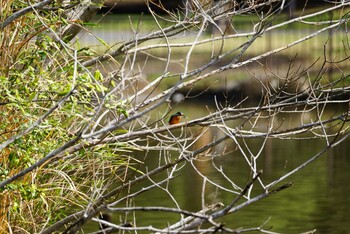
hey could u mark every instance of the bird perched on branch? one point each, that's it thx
(175, 118)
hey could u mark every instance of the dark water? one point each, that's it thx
(318, 200)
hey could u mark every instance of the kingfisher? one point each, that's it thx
(175, 118)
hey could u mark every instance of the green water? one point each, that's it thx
(317, 200)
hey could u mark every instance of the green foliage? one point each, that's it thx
(37, 72)
(70, 123)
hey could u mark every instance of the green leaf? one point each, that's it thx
(98, 76)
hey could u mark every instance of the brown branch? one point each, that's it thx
(22, 12)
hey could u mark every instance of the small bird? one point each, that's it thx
(175, 118)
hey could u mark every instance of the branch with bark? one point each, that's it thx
(75, 121)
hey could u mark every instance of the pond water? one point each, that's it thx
(318, 200)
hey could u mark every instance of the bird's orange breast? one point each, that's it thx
(174, 120)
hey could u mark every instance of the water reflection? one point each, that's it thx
(317, 200)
